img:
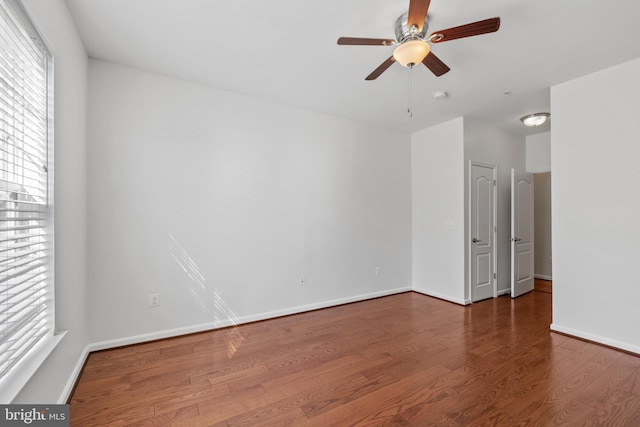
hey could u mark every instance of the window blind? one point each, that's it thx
(26, 289)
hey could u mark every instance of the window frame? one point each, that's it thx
(17, 377)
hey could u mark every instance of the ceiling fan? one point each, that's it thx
(412, 42)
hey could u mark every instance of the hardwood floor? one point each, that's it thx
(402, 360)
(542, 285)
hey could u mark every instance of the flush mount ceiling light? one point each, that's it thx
(533, 120)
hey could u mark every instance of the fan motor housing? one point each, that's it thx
(404, 32)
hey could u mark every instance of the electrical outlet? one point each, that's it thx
(154, 300)
(303, 280)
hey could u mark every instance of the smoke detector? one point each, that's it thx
(440, 95)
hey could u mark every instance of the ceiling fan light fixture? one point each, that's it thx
(411, 52)
(533, 120)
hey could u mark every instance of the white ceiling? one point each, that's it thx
(285, 51)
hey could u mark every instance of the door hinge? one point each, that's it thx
(494, 182)
(495, 275)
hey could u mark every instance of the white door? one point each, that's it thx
(481, 232)
(522, 261)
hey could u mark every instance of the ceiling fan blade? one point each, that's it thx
(417, 13)
(381, 69)
(473, 29)
(359, 41)
(437, 67)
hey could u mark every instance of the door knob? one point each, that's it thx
(474, 240)
(516, 239)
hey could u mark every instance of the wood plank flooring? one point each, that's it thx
(402, 360)
(542, 285)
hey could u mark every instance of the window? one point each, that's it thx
(26, 282)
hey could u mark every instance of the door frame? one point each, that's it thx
(473, 163)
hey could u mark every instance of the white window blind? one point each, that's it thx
(26, 288)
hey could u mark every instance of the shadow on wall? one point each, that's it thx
(210, 301)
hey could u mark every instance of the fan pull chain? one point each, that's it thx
(410, 94)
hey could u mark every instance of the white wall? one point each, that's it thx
(70, 85)
(538, 158)
(220, 202)
(595, 205)
(487, 144)
(438, 189)
(538, 152)
(190, 188)
(440, 194)
(542, 225)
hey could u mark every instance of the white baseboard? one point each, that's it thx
(441, 296)
(152, 336)
(503, 292)
(103, 345)
(542, 277)
(75, 374)
(596, 338)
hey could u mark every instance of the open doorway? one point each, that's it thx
(543, 238)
